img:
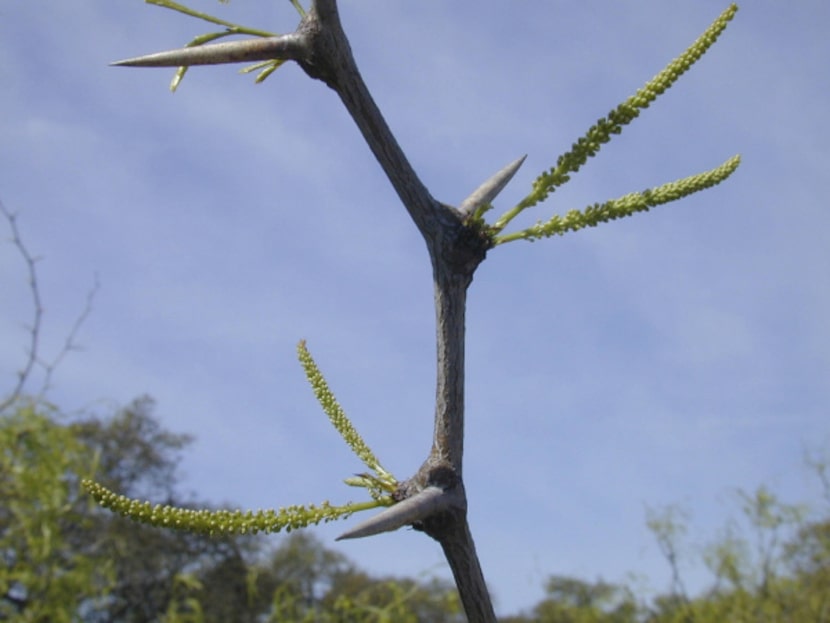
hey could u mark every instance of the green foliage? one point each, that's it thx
(302, 581)
(402, 602)
(599, 134)
(775, 570)
(41, 578)
(183, 607)
(60, 556)
(335, 592)
(576, 601)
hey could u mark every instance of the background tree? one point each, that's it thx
(759, 573)
(41, 517)
(66, 561)
(577, 601)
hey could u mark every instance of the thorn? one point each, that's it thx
(420, 506)
(491, 188)
(261, 49)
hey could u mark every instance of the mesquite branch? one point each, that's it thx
(320, 47)
(457, 239)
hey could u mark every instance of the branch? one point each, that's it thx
(450, 292)
(32, 356)
(460, 552)
(34, 329)
(331, 61)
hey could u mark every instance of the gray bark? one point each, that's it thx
(455, 250)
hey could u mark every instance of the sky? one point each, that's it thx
(672, 358)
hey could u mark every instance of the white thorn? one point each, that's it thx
(261, 49)
(491, 188)
(406, 512)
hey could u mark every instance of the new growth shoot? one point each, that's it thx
(589, 145)
(380, 485)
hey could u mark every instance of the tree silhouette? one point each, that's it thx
(433, 500)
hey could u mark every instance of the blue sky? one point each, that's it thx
(669, 358)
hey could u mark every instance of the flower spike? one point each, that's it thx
(217, 522)
(381, 486)
(600, 133)
(339, 419)
(624, 206)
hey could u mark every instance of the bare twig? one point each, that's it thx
(34, 329)
(69, 343)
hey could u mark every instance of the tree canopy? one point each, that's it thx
(64, 559)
